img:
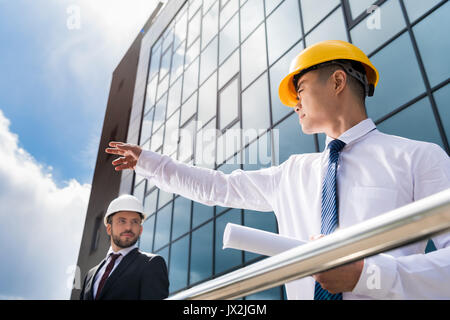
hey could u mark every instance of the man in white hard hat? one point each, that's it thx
(126, 273)
(361, 173)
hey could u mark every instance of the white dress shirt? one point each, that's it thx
(123, 253)
(376, 173)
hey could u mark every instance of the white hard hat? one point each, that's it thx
(124, 202)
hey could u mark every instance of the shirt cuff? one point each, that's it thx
(147, 163)
(377, 277)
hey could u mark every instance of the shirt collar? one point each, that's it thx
(123, 252)
(354, 132)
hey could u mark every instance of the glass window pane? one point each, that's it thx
(312, 13)
(164, 253)
(167, 37)
(162, 232)
(208, 60)
(227, 11)
(254, 59)
(192, 53)
(283, 29)
(228, 39)
(155, 60)
(150, 97)
(139, 191)
(150, 202)
(359, 6)
(270, 5)
(229, 68)
(229, 104)
(163, 85)
(188, 109)
(259, 220)
(201, 253)
(165, 63)
(255, 105)
(332, 28)
(208, 3)
(194, 29)
(442, 97)
(160, 113)
(415, 122)
(164, 198)
(277, 72)
(210, 24)
(378, 27)
(252, 14)
(194, 5)
(181, 29)
(394, 89)
(177, 63)
(416, 8)
(291, 139)
(228, 144)
(157, 139)
(186, 146)
(430, 34)
(269, 294)
(171, 138)
(146, 238)
(257, 155)
(179, 264)
(174, 99)
(147, 125)
(201, 214)
(207, 100)
(226, 258)
(181, 217)
(205, 150)
(190, 80)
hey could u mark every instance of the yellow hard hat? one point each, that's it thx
(325, 51)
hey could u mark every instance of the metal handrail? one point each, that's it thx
(413, 222)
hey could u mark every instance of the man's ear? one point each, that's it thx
(108, 229)
(339, 79)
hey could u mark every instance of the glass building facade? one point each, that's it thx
(217, 64)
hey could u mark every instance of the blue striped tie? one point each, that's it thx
(329, 209)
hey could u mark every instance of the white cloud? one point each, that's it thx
(41, 224)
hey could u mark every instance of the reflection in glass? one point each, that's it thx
(207, 103)
(150, 202)
(208, 60)
(254, 59)
(332, 28)
(229, 39)
(415, 122)
(164, 197)
(188, 109)
(229, 68)
(255, 106)
(292, 140)
(269, 294)
(190, 80)
(394, 89)
(257, 155)
(171, 139)
(259, 220)
(313, 13)
(179, 264)
(442, 97)
(146, 239)
(186, 146)
(226, 258)
(163, 218)
(227, 11)
(174, 99)
(270, 5)
(147, 125)
(180, 29)
(201, 214)
(430, 34)
(358, 7)
(160, 113)
(139, 191)
(165, 63)
(283, 29)
(193, 29)
(150, 97)
(210, 24)
(228, 104)
(177, 63)
(370, 33)
(252, 14)
(155, 60)
(201, 253)
(157, 139)
(417, 8)
(192, 53)
(181, 217)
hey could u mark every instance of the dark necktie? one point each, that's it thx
(330, 205)
(106, 273)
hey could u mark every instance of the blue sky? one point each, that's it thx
(54, 86)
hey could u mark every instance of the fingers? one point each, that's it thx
(115, 151)
(119, 161)
(123, 167)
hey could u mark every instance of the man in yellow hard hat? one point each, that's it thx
(361, 173)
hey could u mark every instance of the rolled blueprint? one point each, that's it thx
(257, 241)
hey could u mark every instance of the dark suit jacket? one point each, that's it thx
(139, 276)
